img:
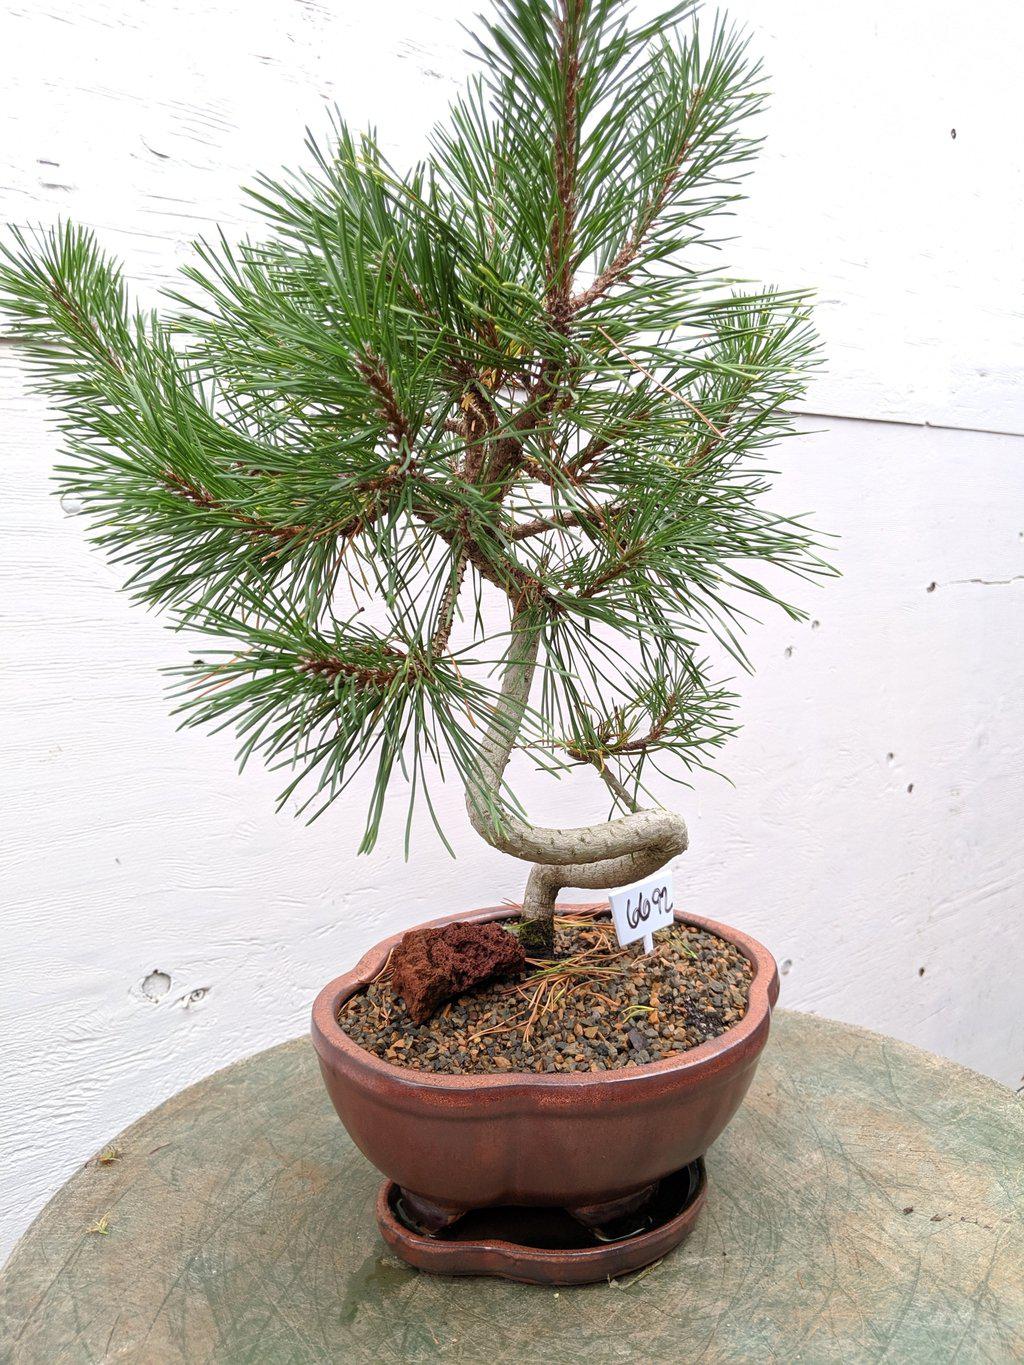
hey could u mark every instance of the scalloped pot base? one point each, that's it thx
(609, 1146)
(547, 1246)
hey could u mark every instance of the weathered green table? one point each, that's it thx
(866, 1204)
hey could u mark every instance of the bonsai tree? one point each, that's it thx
(463, 460)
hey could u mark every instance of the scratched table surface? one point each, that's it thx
(866, 1204)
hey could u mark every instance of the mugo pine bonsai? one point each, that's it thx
(462, 460)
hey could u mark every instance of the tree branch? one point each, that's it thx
(614, 570)
(377, 677)
(261, 527)
(599, 753)
(556, 521)
(618, 269)
(559, 264)
(375, 373)
(86, 326)
(255, 526)
(449, 601)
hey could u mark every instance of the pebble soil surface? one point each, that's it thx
(597, 1007)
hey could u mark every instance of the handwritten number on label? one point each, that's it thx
(643, 908)
(638, 911)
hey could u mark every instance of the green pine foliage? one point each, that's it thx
(509, 375)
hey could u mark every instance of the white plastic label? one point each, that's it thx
(640, 909)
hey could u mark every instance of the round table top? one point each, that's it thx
(865, 1204)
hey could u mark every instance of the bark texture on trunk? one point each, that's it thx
(593, 856)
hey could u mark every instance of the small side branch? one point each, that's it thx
(557, 521)
(378, 380)
(449, 602)
(618, 269)
(566, 164)
(262, 529)
(377, 678)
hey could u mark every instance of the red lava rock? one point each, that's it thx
(431, 965)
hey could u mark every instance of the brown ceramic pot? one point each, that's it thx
(568, 1141)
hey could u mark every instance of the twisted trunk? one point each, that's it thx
(592, 856)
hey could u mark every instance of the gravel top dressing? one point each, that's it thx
(595, 1008)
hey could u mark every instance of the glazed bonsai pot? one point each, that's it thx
(555, 1140)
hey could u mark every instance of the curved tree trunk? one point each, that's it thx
(598, 856)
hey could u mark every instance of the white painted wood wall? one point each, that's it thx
(160, 921)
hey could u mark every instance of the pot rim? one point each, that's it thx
(329, 1037)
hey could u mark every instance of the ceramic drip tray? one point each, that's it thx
(547, 1246)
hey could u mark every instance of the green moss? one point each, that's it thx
(538, 936)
